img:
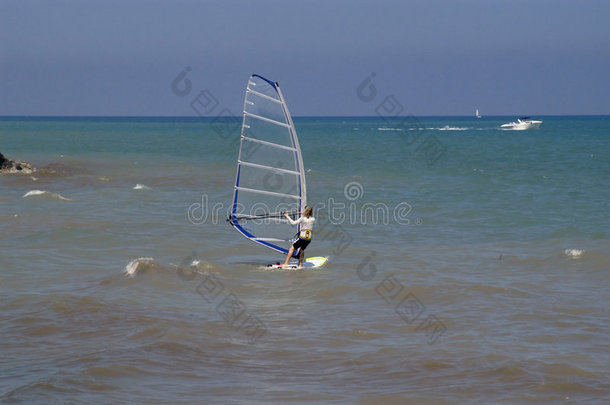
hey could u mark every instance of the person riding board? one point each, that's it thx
(306, 220)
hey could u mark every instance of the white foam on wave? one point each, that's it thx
(196, 263)
(574, 253)
(448, 128)
(45, 193)
(388, 129)
(141, 187)
(34, 192)
(138, 265)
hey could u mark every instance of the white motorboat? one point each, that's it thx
(522, 123)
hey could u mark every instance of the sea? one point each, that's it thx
(467, 264)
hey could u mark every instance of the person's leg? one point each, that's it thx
(301, 257)
(289, 255)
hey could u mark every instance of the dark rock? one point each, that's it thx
(14, 166)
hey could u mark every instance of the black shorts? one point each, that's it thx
(301, 244)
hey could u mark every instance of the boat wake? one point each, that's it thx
(389, 129)
(449, 128)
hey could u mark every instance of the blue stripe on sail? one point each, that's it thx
(267, 80)
(253, 238)
(272, 246)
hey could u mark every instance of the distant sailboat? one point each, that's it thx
(477, 113)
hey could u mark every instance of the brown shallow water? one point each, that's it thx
(111, 295)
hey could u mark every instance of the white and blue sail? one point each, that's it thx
(270, 179)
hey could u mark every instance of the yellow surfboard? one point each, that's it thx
(309, 263)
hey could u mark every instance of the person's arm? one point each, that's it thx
(293, 222)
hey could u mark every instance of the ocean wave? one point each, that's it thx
(188, 266)
(574, 253)
(194, 265)
(141, 187)
(137, 265)
(47, 194)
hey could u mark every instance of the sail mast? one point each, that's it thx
(295, 139)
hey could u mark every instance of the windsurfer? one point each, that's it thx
(306, 220)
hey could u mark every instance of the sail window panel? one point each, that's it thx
(253, 211)
(269, 229)
(268, 155)
(254, 203)
(267, 131)
(265, 107)
(260, 85)
(269, 180)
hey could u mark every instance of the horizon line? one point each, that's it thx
(301, 116)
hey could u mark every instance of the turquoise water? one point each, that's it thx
(467, 264)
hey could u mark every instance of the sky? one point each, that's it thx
(331, 57)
